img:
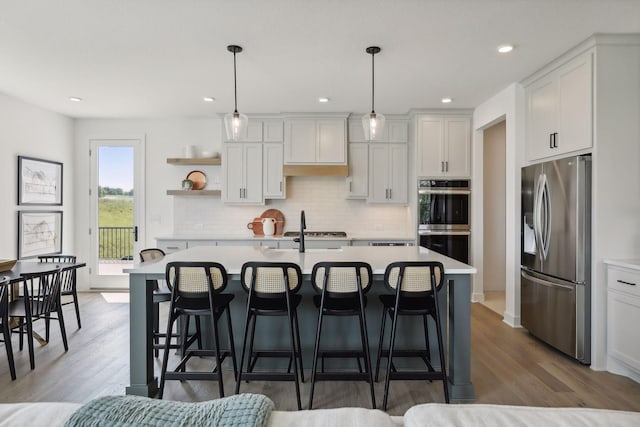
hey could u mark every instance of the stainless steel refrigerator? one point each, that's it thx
(556, 254)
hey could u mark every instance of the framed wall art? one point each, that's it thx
(39, 233)
(39, 182)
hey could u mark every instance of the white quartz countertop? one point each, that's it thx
(232, 257)
(633, 264)
(350, 236)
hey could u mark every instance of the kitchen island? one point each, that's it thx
(455, 300)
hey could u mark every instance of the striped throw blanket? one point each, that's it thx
(240, 410)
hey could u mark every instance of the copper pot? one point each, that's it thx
(256, 226)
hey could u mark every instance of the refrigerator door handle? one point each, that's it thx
(544, 282)
(537, 225)
(545, 232)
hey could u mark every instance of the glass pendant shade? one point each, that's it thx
(373, 126)
(236, 126)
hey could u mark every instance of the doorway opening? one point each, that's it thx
(115, 211)
(494, 208)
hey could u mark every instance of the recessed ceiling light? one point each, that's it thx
(505, 48)
(208, 99)
(323, 99)
(446, 100)
(75, 99)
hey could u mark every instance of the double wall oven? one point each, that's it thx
(443, 217)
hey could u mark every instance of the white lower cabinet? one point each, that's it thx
(242, 172)
(358, 179)
(623, 316)
(388, 179)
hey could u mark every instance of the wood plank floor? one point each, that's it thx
(508, 367)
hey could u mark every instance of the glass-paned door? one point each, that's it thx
(116, 210)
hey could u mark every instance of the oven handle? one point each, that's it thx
(443, 233)
(447, 191)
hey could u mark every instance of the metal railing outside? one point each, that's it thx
(115, 243)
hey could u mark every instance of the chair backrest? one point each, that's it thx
(270, 279)
(151, 254)
(4, 298)
(43, 291)
(415, 278)
(196, 279)
(341, 278)
(68, 275)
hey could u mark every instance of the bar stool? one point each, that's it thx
(415, 285)
(160, 295)
(272, 288)
(196, 290)
(342, 286)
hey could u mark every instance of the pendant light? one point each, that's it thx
(373, 123)
(235, 123)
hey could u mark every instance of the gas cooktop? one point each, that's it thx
(316, 234)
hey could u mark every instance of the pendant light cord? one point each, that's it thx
(235, 84)
(372, 83)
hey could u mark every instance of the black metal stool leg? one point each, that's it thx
(380, 341)
(394, 324)
(244, 347)
(292, 337)
(232, 346)
(315, 357)
(367, 354)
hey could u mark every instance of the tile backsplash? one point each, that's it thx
(322, 198)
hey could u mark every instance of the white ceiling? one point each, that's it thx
(159, 58)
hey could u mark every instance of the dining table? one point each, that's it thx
(24, 268)
(455, 300)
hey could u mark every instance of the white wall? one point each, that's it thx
(494, 210)
(506, 105)
(26, 130)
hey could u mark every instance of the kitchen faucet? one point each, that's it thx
(303, 226)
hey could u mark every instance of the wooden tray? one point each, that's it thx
(278, 216)
(7, 264)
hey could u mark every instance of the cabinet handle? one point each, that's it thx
(172, 247)
(244, 193)
(240, 195)
(555, 140)
(390, 194)
(280, 186)
(350, 186)
(550, 140)
(626, 283)
(446, 166)
(441, 166)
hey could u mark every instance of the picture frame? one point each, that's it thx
(39, 233)
(39, 182)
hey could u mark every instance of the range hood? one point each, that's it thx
(316, 170)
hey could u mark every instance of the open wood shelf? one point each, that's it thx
(194, 192)
(195, 161)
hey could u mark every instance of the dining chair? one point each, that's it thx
(160, 294)
(39, 300)
(415, 286)
(342, 287)
(6, 328)
(197, 290)
(272, 289)
(68, 281)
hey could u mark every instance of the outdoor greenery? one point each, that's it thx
(108, 191)
(115, 211)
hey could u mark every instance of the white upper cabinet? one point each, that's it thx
(262, 130)
(388, 179)
(559, 110)
(242, 173)
(444, 146)
(358, 179)
(315, 141)
(274, 183)
(394, 131)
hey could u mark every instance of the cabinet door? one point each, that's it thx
(252, 174)
(274, 183)
(300, 141)
(457, 147)
(254, 131)
(378, 173)
(542, 112)
(622, 328)
(272, 131)
(233, 172)
(574, 106)
(358, 179)
(430, 147)
(398, 177)
(397, 130)
(356, 132)
(331, 141)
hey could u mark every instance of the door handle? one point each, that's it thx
(135, 233)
